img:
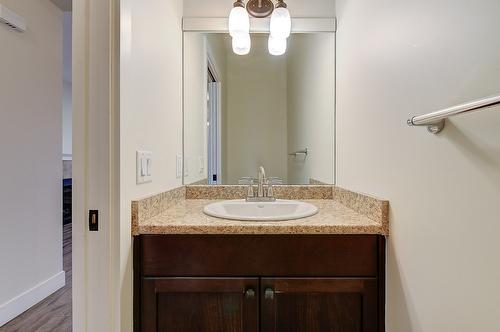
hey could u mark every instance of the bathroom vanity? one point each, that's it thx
(193, 272)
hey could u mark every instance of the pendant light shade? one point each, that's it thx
(239, 22)
(281, 23)
(242, 44)
(239, 25)
(277, 46)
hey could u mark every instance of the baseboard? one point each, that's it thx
(19, 304)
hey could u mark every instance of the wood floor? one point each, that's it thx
(54, 313)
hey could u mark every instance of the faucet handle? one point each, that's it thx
(270, 182)
(250, 182)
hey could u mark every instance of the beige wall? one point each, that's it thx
(256, 113)
(311, 102)
(67, 120)
(400, 59)
(217, 48)
(221, 8)
(31, 146)
(150, 111)
(197, 47)
(195, 107)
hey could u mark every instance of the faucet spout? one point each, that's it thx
(264, 190)
(262, 178)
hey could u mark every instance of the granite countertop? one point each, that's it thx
(180, 211)
(187, 217)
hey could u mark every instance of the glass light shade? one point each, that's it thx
(277, 46)
(242, 44)
(281, 23)
(239, 22)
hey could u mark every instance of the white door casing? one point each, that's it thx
(95, 163)
(214, 133)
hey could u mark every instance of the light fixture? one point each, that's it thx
(280, 28)
(239, 22)
(277, 46)
(242, 44)
(281, 22)
(260, 8)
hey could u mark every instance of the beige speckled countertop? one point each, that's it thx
(344, 212)
(187, 217)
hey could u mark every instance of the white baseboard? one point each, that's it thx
(19, 304)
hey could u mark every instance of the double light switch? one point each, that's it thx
(144, 166)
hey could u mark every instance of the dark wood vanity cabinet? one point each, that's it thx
(200, 304)
(259, 283)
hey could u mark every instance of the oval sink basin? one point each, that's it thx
(260, 211)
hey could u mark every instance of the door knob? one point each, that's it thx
(269, 294)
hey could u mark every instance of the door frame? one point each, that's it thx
(212, 68)
(95, 164)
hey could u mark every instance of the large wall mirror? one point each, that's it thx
(243, 112)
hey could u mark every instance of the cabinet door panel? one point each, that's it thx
(319, 305)
(200, 304)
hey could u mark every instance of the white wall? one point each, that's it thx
(150, 112)
(67, 124)
(400, 59)
(195, 107)
(311, 102)
(221, 8)
(256, 113)
(30, 145)
(67, 120)
(217, 47)
(197, 46)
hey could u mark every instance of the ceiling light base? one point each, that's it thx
(281, 4)
(260, 8)
(239, 3)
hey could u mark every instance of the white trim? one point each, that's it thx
(211, 65)
(219, 25)
(19, 304)
(96, 263)
(214, 70)
(67, 156)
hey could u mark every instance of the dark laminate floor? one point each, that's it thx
(54, 313)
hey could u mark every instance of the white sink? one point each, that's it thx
(260, 211)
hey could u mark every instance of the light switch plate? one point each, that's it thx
(144, 166)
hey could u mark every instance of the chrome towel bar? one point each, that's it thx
(435, 121)
(304, 152)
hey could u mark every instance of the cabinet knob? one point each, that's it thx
(269, 294)
(250, 293)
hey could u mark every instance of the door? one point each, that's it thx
(214, 133)
(200, 304)
(319, 305)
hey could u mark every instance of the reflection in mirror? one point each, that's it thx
(243, 112)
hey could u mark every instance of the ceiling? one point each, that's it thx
(65, 5)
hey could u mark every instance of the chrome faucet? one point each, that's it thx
(264, 187)
(262, 180)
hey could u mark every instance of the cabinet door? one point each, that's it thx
(200, 304)
(319, 305)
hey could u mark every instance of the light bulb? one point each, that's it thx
(242, 44)
(239, 22)
(281, 23)
(277, 46)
